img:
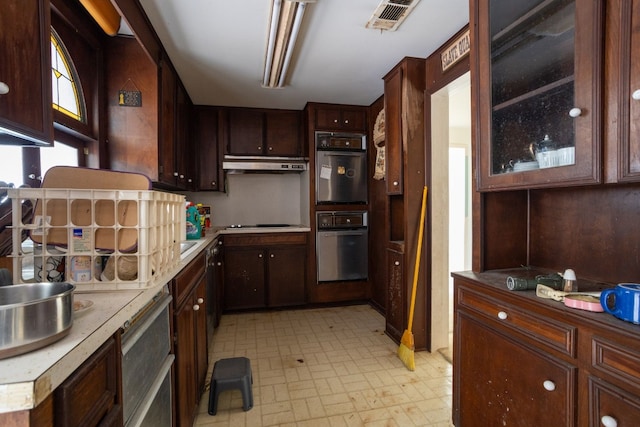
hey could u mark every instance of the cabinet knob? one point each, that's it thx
(175, 174)
(213, 183)
(270, 148)
(219, 264)
(608, 421)
(4, 88)
(346, 122)
(335, 120)
(181, 176)
(196, 307)
(396, 263)
(200, 300)
(502, 315)
(549, 385)
(259, 148)
(260, 256)
(395, 183)
(272, 255)
(575, 112)
(189, 180)
(635, 95)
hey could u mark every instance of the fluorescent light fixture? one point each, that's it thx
(284, 26)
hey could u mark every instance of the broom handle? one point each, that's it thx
(418, 253)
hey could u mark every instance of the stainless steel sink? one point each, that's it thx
(185, 246)
(33, 315)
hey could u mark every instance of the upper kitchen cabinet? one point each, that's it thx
(206, 130)
(622, 80)
(339, 118)
(149, 112)
(25, 73)
(538, 64)
(258, 132)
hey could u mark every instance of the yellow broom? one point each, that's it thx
(407, 345)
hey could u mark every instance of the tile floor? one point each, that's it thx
(327, 367)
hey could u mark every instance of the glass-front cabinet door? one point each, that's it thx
(538, 64)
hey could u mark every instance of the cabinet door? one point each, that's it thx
(206, 145)
(286, 276)
(327, 118)
(395, 314)
(246, 132)
(184, 147)
(244, 274)
(25, 69)
(354, 120)
(623, 90)
(283, 133)
(90, 397)
(610, 406)
(498, 381)
(185, 365)
(538, 65)
(393, 131)
(166, 141)
(200, 328)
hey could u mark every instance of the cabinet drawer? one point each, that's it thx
(607, 401)
(262, 239)
(89, 397)
(551, 333)
(187, 278)
(616, 360)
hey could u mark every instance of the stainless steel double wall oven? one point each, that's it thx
(341, 179)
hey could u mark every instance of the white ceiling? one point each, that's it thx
(218, 48)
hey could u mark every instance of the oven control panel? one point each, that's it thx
(340, 220)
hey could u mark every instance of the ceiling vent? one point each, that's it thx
(390, 14)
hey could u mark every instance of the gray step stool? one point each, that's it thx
(231, 374)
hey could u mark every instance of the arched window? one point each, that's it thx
(67, 92)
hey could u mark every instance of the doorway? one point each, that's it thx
(451, 228)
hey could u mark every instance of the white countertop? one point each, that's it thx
(26, 380)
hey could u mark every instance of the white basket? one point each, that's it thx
(108, 239)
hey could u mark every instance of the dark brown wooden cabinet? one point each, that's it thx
(547, 86)
(405, 178)
(167, 172)
(259, 132)
(264, 270)
(396, 313)
(90, 396)
(340, 118)
(190, 338)
(520, 358)
(152, 138)
(206, 130)
(25, 69)
(622, 91)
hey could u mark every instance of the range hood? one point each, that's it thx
(264, 164)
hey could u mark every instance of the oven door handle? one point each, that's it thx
(324, 233)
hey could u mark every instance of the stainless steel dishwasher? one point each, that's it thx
(146, 366)
(342, 246)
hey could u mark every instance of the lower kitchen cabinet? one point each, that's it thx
(395, 319)
(264, 270)
(190, 339)
(90, 396)
(522, 360)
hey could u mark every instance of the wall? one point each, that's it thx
(259, 198)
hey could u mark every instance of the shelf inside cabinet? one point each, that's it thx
(546, 89)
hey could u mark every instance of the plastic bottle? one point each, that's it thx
(194, 229)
